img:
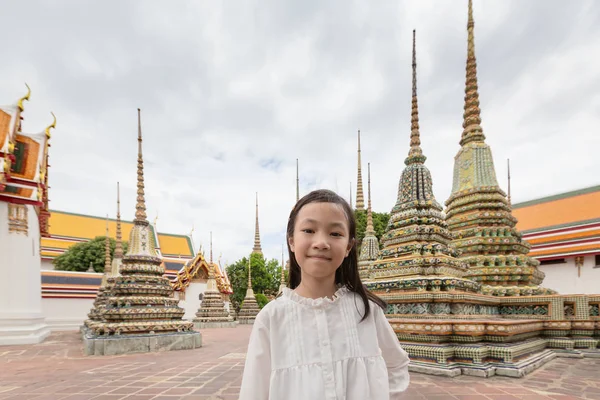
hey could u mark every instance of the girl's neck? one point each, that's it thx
(314, 289)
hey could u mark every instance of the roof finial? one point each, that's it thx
(369, 210)
(257, 248)
(26, 97)
(297, 182)
(118, 245)
(211, 259)
(472, 131)
(51, 126)
(415, 154)
(508, 167)
(360, 200)
(140, 207)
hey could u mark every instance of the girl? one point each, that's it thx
(326, 337)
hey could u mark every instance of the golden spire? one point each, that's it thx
(360, 200)
(51, 126)
(211, 259)
(26, 97)
(297, 183)
(257, 248)
(415, 154)
(249, 274)
(106, 250)
(472, 131)
(118, 246)
(140, 207)
(370, 228)
(508, 167)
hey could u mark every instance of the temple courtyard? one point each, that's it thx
(57, 369)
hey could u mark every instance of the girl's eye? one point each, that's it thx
(336, 234)
(308, 231)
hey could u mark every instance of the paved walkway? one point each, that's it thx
(57, 369)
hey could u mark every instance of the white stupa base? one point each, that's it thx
(16, 329)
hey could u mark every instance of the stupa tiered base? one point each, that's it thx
(212, 313)
(143, 343)
(249, 309)
(454, 333)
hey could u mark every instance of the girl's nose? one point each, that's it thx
(321, 242)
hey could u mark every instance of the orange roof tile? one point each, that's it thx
(563, 209)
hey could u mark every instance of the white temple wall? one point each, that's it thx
(564, 277)
(66, 314)
(47, 265)
(192, 299)
(21, 318)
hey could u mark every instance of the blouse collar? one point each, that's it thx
(321, 301)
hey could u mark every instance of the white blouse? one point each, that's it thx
(317, 349)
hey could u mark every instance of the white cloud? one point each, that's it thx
(228, 87)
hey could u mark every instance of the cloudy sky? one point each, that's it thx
(233, 92)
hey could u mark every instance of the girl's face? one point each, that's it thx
(321, 239)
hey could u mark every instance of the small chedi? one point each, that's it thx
(249, 309)
(103, 290)
(141, 314)
(212, 312)
(463, 295)
(369, 248)
(111, 270)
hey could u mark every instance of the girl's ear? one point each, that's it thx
(350, 245)
(291, 243)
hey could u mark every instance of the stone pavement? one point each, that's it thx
(57, 369)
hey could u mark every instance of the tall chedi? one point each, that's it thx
(249, 308)
(369, 248)
(360, 197)
(141, 315)
(478, 211)
(257, 248)
(416, 253)
(212, 312)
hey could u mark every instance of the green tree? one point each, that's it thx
(380, 221)
(79, 256)
(266, 276)
(261, 299)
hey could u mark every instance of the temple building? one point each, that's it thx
(23, 221)
(564, 233)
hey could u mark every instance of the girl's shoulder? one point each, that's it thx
(271, 310)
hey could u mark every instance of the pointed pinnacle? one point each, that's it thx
(415, 154)
(472, 131)
(118, 245)
(140, 207)
(370, 228)
(360, 199)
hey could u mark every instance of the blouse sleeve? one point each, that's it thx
(257, 371)
(396, 359)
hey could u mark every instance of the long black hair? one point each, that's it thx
(347, 274)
